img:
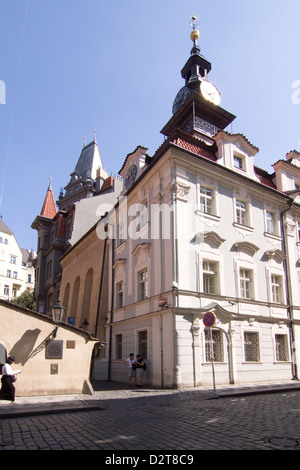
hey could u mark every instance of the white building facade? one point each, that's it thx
(199, 228)
(16, 269)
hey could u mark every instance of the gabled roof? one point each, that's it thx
(49, 207)
(5, 228)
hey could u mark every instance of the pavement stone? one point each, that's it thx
(117, 418)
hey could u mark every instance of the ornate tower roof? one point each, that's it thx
(49, 207)
(196, 108)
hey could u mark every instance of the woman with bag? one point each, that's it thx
(140, 366)
(7, 391)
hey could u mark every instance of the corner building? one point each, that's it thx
(200, 228)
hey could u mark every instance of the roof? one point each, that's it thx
(89, 161)
(49, 207)
(5, 228)
(108, 183)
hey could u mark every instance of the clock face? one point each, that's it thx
(130, 176)
(210, 92)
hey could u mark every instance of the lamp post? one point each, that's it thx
(57, 314)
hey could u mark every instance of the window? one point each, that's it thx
(29, 278)
(238, 162)
(8, 273)
(143, 285)
(245, 283)
(251, 346)
(270, 222)
(118, 344)
(15, 275)
(206, 200)
(241, 212)
(143, 344)
(13, 259)
(122, 231)
(281, 347)
(276, 282)
(143, 215)
(6, 290)
(210, 272)
(119, 299)
(213, 345)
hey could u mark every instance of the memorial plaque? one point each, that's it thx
(54, 350)
(53, 369)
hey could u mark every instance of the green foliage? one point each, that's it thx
(26, 299)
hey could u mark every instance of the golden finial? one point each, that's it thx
(195, 25)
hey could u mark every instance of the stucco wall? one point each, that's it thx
(25, 335)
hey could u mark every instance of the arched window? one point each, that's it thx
(75, 297)
(3, 354)
(86, 304)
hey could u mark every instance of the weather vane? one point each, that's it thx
(195, 25)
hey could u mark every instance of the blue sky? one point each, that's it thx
(74, 66)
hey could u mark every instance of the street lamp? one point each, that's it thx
(57, 314)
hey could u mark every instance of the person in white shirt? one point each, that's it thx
(131, 363)
(7, 391)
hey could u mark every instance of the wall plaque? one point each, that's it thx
(54, 350)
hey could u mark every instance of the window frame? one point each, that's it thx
(258, 350)
(143, 285)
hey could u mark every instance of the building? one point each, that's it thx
(54, 360)
(60, 226)
(16, 271)
(199, 228)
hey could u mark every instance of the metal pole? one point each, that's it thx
(212, 360)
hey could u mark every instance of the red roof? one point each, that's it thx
(108, 183)
(49, 207)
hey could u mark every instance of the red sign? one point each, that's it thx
(209, 319)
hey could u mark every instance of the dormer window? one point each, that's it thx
(239, 161)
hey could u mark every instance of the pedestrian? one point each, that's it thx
(131, 364)
(7, 391)
(140, 366)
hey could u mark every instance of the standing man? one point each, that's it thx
(131, 364)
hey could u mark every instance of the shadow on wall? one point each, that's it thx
(23, 349)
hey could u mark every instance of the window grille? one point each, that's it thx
(213, 346)
(143, 343)
(281, 347)
(251, 346)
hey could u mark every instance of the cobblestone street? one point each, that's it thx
(165, 421)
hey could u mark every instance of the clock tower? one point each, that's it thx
(196, 108)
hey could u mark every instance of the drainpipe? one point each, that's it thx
(112, 305)
(290, 203)
(101, 286)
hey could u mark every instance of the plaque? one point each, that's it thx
(53, 369)
(54, 349)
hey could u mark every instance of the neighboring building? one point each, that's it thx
(16, 271)
(54, 360)
(200, 228)
(86, 194)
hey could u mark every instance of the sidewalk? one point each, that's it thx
(104, 390)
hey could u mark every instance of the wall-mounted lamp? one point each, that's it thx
(57, 314)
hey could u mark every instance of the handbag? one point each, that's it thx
(13, 378)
